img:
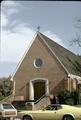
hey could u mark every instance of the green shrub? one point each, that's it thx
(67, 97)
(63, 96)
(75, 96)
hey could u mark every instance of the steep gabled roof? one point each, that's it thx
(71, 61)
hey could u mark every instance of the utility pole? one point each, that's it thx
(0, 44)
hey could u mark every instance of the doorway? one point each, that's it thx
(39, 89)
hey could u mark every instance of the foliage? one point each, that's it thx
(5, 88)
(67, 97)
(63, 96)
(0, 93)
(77, 39)
(75, 96)
(2, 97)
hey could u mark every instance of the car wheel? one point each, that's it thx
(27, 117)
(68, 117)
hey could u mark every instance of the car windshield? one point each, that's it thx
(53, 107)
(7, 106)
(49, 108)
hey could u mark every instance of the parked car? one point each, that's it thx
(7, 111)
(52, 112)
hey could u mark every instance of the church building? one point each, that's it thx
(45, 69)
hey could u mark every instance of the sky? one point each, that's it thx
(19, 22)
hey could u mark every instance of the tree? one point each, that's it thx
(77, 39)
(7, 86)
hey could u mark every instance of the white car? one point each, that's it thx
(7, 111)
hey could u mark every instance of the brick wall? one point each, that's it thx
(51, 70)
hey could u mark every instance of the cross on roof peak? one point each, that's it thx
(38, 28)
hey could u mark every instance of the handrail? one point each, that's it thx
(36, 101)
(31, 101)
(40, 99)
(6, 98)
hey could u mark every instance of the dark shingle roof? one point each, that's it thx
(71, 61)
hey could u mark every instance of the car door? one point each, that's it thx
(49, 114)
(44, 115)
(52, 115)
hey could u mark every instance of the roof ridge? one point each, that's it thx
(70, 60)
(58, 44)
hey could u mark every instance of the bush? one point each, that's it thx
(67, 97)
(75, 96)
(6, 88)
(2, 97)
(0, 93)
(63, 96)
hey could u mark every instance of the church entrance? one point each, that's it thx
(39, 89)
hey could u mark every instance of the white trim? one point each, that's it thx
(36, 65)
(68, 84)
(38, 78)
(74, 76)
(13, 74)
(31, 87)
(53, 53)
(78, 78)
(31, 91)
